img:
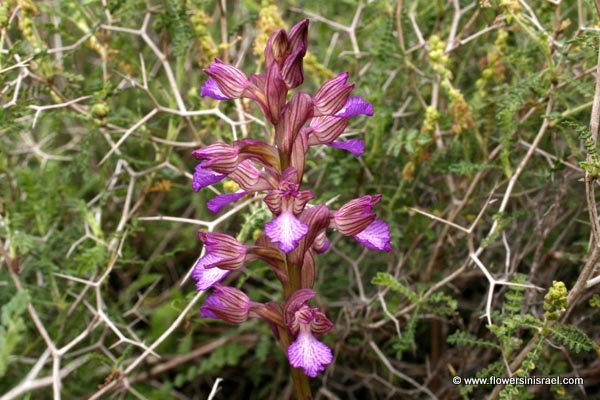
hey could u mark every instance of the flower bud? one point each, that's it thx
(298, 37)
(276, 92)
(226, 303)
(278, 47)
(293, 69)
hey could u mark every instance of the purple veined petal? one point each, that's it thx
(376, 236)
(298, 36)
(216, 204)
(287, 230)
(226, 303)
(207, 277)
(333, 95)
(356, 105)
(293, 68)
(354, 146)
(277, 47)
(205, 177)
(308, 353)
(231, 81)
(211, 89)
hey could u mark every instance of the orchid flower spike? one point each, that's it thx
(274, 171)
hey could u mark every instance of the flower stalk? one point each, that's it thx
(297, 232)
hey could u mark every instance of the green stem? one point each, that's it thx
(301, 383)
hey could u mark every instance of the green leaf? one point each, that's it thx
(573, 338)
(12, 326)
(387, 280)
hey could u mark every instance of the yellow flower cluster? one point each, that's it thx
(555, 301)
(208, 49)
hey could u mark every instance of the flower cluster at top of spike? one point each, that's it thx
(298, 230)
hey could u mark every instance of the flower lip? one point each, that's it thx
(355, 105)
(212, 89)
(354, 146)
(205, 177)
(286, 230)
(207, 277)
(310, 354)
(376, 236)
(217, 203)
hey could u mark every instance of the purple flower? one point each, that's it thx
(205, 177)
(226, 303)
(355, 106)
(218, 157)
(376, 236)
(332, 96)
(354, 216)
(354, 146)
(321, 243)
(303, 322)
(280, 44)
(297, 230)
(287, 202)
(223, 254)
(317, 219)
(230, 81)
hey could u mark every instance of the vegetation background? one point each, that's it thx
(481, 146)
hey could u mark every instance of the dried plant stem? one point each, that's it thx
(590, 183)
